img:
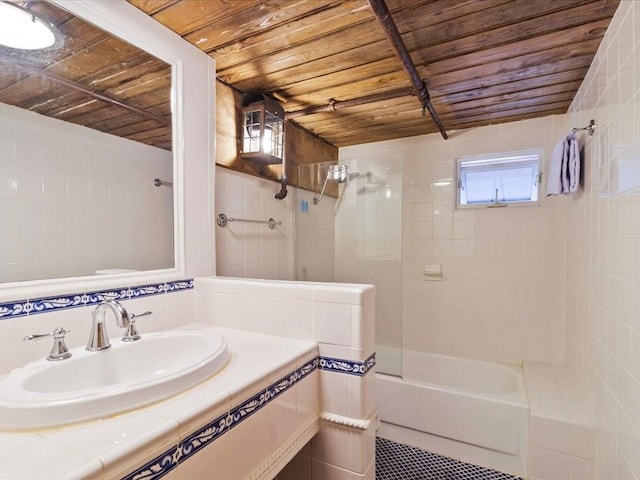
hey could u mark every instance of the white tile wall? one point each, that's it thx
(248, 250)
(315, 234)
(504, 271)
(603, 241)
(301, 248)
(368, 222)
(63, 188)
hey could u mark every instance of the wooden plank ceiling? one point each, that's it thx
(484, 61)
(91, 79)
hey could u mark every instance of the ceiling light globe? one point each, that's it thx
(20, 29)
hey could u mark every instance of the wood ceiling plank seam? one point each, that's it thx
(328, 80)
(344, 121)
(371, 118)
(366, 22)
(327, 131)
(185, 17)
(439, 19)
(431, 73)
(158, 5)
(381, 84)
(499, 120)
(307, 44)
(568, 87)
(142, 62)
(506, 35)
(568, 75)
(551, 79)
(244, 27)
(517, 13)
(509, 106)
(555, 39)
(532, 72)
(348, 73)
(512, 65)
(329, 59)
(222, 67)
(515, 112)
(378, 134)
(333, 62)
(94, 55)
(338, 105)
(355, 112)
(105, 98)
(98, 119)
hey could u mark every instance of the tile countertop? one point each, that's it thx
(114, 447)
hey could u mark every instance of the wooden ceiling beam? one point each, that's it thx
(381, 12)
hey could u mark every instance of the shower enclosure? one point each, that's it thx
(364, 226)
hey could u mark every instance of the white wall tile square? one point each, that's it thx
(62, 208)
(483, 252)
(602, 221)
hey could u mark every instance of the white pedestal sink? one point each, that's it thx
(93, 385)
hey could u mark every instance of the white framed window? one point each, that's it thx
(499, 179)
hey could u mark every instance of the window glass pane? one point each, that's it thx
(504, 179)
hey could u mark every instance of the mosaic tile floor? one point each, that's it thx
(395, 461)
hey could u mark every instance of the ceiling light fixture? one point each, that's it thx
(23, 30)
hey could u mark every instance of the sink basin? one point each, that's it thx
(93, 385)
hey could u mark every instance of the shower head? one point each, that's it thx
(338, 174)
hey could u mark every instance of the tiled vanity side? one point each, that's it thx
(340, 318)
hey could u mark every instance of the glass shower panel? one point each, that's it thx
(368, 242)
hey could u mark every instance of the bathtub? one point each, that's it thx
(466, 409)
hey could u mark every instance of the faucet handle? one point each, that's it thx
(59, 350)
(131, 334)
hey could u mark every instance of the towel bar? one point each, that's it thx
(222, 220)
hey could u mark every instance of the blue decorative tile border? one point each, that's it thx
(347, 366)
(169, 459)
(32, 306)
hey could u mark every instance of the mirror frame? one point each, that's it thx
(103, 15)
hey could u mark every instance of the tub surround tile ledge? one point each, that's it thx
(124, 447)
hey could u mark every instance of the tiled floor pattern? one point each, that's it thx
(395, 461)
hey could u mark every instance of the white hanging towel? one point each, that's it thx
(564, 172)
(554, 181)
(564, 167)
(574, 163)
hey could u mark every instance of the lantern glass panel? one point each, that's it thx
(251, 131)
(273, 134)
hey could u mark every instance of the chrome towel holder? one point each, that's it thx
(157, 182)
(222, 220)
(591, 128)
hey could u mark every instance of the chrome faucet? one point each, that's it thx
(98, 339)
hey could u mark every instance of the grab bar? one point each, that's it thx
(222, 220)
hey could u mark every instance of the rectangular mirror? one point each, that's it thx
(86, 162)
